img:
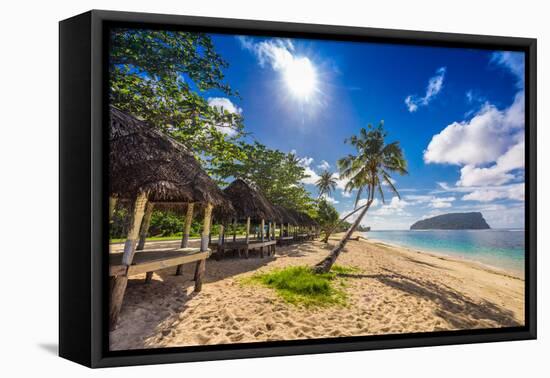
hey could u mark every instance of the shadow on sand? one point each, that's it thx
(456, 308)
(168, 295)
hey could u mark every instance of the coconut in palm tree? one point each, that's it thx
(366, 171)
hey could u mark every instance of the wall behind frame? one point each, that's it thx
(29, 147)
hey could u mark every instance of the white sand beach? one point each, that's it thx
(396, 291)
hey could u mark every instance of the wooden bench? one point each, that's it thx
(285, 240)
(149, 261)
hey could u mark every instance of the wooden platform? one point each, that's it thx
(152, 260)
(244, 247)
(285, 240)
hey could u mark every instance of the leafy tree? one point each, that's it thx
(276, 174)
(165, 223)
(326, 183)
(367, 170)
(118, 227)
(327, 217)
(159, 75)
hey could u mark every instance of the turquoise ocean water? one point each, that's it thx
(503, 249)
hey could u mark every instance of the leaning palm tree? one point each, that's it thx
(366, 172)
(326, 184)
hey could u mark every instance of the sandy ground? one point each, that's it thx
(397, 291)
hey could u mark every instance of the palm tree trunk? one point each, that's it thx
(325, 265)
(327, 235)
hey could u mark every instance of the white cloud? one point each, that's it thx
(306, 162)
(345, 194)
(470, 96)
(512, 192)
(411, 104)
(330, 199)
(435, 84)
(222, 104)
(395, 207)
(514, 62)
(482, 139)
(341, 184)
(490, 147)
(497, 174)
(515, 192)
(278, 53)
(363, 201)
(440, 204)
(324, 165)
(473, 97)
(431, 201)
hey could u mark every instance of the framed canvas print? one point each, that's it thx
(234, 188)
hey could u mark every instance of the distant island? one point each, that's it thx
(453, 221)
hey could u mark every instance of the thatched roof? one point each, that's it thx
(300, 218)
(284, 215)
(307, 220)
(142, 158)
(249, 202)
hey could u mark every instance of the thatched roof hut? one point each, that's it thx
(249, 202)
(308, 221)
(284, 215)
(143, 159)
(300, 218)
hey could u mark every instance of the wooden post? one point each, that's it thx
(112, 206)
(210, 233)
(148, 277)
(247, 237)
(187, 225)
(133, 231)
(201, 264)
(262, 226)
(206, 227)
(145, 226)
(221, 240)
(199, 273)
(186, 232)
(234, 229)
(120, 282)
(247, 229)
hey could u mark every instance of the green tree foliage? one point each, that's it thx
(165, 223)
(276, 174)
(159, 76)
(326, 183)
(373, 163)
(367, 170)
(327, 217)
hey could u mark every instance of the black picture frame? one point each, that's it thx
(83, 198)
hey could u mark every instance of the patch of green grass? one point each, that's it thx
(300, 286)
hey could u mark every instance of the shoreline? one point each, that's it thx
(448, 256)
(396, 291)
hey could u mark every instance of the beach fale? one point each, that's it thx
(148, 167)
(249, 205)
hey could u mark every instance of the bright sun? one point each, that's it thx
(301, 78)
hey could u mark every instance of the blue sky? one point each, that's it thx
(458, 114)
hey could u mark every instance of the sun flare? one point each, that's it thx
(300, 77)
